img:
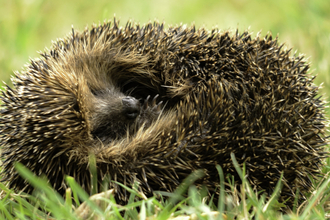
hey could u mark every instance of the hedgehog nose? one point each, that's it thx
(131, 107)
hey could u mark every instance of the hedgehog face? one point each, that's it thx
(115, 115)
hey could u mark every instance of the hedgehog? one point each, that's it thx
(154, 105)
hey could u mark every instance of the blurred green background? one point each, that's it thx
(28, 26)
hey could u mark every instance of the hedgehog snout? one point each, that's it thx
(131, 107)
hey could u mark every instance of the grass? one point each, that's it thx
(186, 202)
(27, 26)
(234, 204)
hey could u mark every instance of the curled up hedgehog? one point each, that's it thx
(153, 105)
